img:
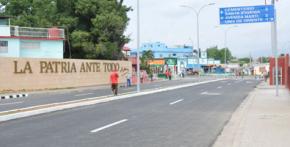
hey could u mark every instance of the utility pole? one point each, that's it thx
(250, 56)
(225, 40)
(275, 48)
(138, 46)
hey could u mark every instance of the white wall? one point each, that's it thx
(5, 30)
(13, 48)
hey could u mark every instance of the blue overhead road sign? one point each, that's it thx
(247, 14)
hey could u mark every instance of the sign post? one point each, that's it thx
(275, 49)
(254, 14)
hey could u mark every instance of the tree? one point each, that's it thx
(95, 28)
(219, 54)
(225, 52)
(214, 53)
(263, 59)
(244, 60)
(146, 56)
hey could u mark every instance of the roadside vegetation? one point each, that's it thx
(94, 28)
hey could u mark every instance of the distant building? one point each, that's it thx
(178, 59)
(29, 42)
(160, 50)
(170, 57)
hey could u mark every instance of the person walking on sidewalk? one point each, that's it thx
(183, 73)
(114, 77)
(265, 74)
(142, 76)
(151, 76)
(128, 76)
(169, 74)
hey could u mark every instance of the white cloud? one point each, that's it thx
(166, 21)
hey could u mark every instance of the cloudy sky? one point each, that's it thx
(166, 21)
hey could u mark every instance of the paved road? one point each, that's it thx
(41, 98)
(188, 117)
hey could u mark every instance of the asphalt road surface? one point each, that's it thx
(188, 117)
(48, 97)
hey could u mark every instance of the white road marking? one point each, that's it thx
(84, 94)
(10, 103)
(175, 102)
(249, 82)
(229, 84)
(108, 126)
(220, 87)
(207, 93)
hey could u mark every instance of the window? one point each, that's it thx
(174, 55)
(160, 56)
(3, 46)
(30, 45)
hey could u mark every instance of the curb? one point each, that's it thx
(231, 132)
(5, 97)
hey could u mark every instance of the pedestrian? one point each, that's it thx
(128, 76)
(142, 77)
(265, 74)
(114, 82)
(169, 74)
(182, 73)
(242, 74)
(151, 76)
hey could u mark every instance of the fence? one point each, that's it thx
(50, 33)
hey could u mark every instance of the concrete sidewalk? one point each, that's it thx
(262, 120)
(70, 89)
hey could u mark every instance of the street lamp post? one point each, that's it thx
(138, 46)
(225, 40)
(197, 13)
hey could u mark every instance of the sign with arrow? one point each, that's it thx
(247, 14)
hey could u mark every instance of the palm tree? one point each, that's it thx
(146, 56)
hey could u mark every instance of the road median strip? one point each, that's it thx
(47, 108)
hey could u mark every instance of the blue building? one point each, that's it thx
(30, 42)
(160, 50)
(178, 54)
